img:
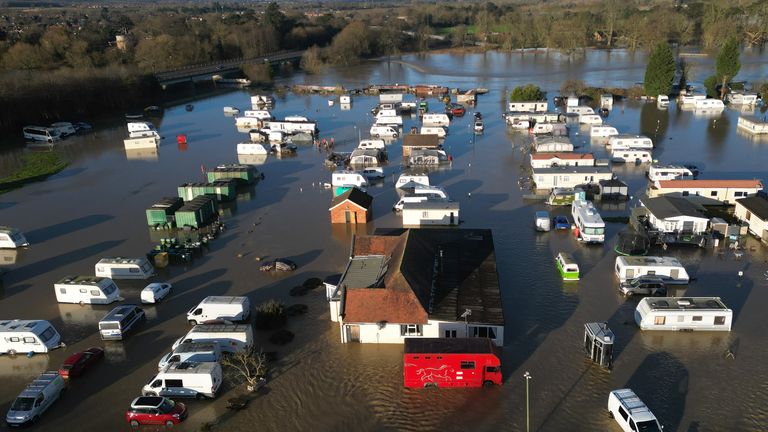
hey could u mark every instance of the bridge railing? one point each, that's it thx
(275, 55)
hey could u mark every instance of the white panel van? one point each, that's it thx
(124, 268)
(383, 131)
(86, 290)
(195, 380)
(230, 308)
(631, 413)
(191, 352)
(230, 337)
(34, 400)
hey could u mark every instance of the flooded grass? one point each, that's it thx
(36, 166)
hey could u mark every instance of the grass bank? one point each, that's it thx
(37, 166)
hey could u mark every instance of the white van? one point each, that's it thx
(409, 181)
(435, 119)
(86, 290)
(35, 399)
(631, 156)
(191, 352)
(12, 238)
(258, 114)
(669, 172)
(144, 134)
(230, 308)
(626, 142)
(251, 149)
(602, 131)
(195, 380)
(631, 413)
(119, 321)
(230, 337)
(667, 268)
(383, 131)
(590, 119)
(348, 178)
(124, 268)
(662, 101)
(24, 336)
(389, 121)
(40, 133)
(440, 131)
(64, 129)
(371, 144)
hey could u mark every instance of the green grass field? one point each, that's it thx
(37, 166)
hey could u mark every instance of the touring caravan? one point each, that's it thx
(12, 238)
(626, 142)
(230, 337)
(683, 314)
(408, 181)
(590, 226)
(668, 268)
(602, 131)
(25, 336)
(251, 149)
(669, 172)
(124, 268)
(185, 379)
(383, 131)
(580, 110)
(258, 114)
(40, 133)
(631, 156)
(590, 119)
(389, 121)
(348, 178)
(435, 119)
(440, 131)
(371, 144)
(86, 290)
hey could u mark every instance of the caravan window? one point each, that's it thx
(83, 290)
(30, 340)
(719, 320)
(109, 289)
(13, 339)
(95, 293)
(697, 318)
(63, 290)
(47, 334)
(659, 320)
(133, 270)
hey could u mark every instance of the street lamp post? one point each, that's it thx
(527, 377)
(467, 312)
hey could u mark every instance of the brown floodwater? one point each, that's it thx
(95, 208)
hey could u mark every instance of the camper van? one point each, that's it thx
(124, 268)
(230, 337)
(683, 314)
(579, 109)
(383, 131)
(626, 142)
(348, 178)
(668, 268)
(631, 413)
(35, 399)
(64, 129)
(86, 290)
(251, 149)
(440, 131)
(40, 133)
(119, 321)
(230, 308)
(25, 336)
(11, 238)
(435, 119)
(371, 144)
(258, 114)
(631, 156)
(567, 266)
(591, 228)
(596, 131)
(194, 380)
(409, 181)
(590, 119)
(669, 172)
(191, 352)
(389, 121)
(542, 221)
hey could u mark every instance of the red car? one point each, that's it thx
(76, 364)
(155, 410)
(455, 109)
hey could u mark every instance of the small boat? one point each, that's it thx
(567, 266)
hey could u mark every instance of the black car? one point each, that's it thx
(647, 285)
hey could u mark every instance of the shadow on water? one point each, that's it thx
(661, 381)
(52, 231)
(68, 172)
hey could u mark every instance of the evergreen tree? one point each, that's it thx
(528, 92)
(727, 64)
(660, 71)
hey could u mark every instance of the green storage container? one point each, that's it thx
(223, 190)
(239, 172)
(162, 212)
(197, 212)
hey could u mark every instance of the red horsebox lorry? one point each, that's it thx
(451, 362)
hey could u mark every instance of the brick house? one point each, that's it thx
(353, 206)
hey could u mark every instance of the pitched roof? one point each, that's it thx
(430, 274)
(757, 204)
(664, 207)
(356, 196)
(697, 184)
(561, 155)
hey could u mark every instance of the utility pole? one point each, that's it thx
(527, 377)
(467, 313)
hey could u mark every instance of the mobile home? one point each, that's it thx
(602, 131)
(691, 99)
(625, 142)
(124, 268)
(135, 143)
(590, 226)
(742, 98)
(348, 179)
(430, 212)
(24, 336)
(669, 172)
(12, 238)
(292, 125)
(407, 181)
(389, 121)
(86, 290)
(580, 110)
(552, 144)
(631, 156)
(435, 119)
(752, 124)
(668, 268)
(251, 149)
(258, 114)
(570, 176)
(709, 104)
(556, 129)
(590, 119)
(683, 314)
(366, 157)
(529, 106)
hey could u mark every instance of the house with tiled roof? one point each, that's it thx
(706, 191)
(403, 283)
(548, 160)
(352, 206)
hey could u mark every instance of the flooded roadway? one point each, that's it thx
(95, 208)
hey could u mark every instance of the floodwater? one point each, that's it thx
(95, 208)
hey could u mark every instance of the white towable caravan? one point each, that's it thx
(626, 142)
(24, 336)
(348, 178)
(86, 290)
(124, 268)
(667, 268)
(683, 314)
(12, 238)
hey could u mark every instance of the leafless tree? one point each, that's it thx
(248, 366)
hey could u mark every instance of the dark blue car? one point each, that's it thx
(561, 222)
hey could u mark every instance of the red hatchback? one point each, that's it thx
(155, 410)
(76, 364)
(455, 109)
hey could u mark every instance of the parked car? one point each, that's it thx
(455, 109)
(280, 264)
(155, 292)
(155, 410)
(561, 222)
(648, 285)
(76, 364)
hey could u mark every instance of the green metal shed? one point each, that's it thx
(197, 212)
(161, 212)
(223, 190)
(239, 172)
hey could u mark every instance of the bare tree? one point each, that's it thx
(248, 366)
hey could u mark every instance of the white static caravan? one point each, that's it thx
(430, 212)
(667, 268)
(631, 156)
(371, 144)
(529, 106)
(435, 119)
(258, 114)
(588, 221)
(709, 104)
(552, 144)
(86, 290)
(249, 122)
(292, 124)
(590, 119)
(602, 131)
(24, 336)
(348, 179)
(148, 142)
(626, 142)
(556, 129)
(440, 131)
(683, 314)
(691, 99)
(742, 98)
(251, 149)
(754, 125)
(124, 268)
(408, 181)
(580, 110)
(669, 172)
(257, 100)
(12, 238)
(386, 112)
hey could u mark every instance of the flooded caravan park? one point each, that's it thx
(95, 208)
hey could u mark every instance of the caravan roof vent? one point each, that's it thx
(684, 302)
